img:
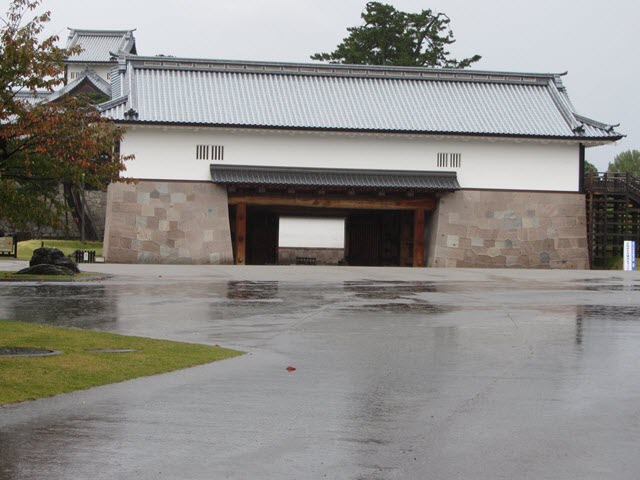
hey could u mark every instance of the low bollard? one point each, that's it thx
(85, 256)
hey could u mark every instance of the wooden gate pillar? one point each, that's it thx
(405, 238)
(418, 237)
(241, 233)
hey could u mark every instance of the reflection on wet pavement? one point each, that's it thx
(395, 290)
(500, 378)
(251, 290)
(610, 312)
(84, 306)
(399, 307)
(613, 288)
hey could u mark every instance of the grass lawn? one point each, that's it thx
(28, 378)
(83, 276)
(26, 248)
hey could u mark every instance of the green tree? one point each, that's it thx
(392, 37)
(589, 168)
(627, 161)
(44, 144)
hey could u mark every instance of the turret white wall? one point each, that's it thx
(169, 153)
(74, 70)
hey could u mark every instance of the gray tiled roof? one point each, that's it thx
(327, 178)
(351, 98)
(32, 98)
(28, 99)
(87, 75)
(99, 45)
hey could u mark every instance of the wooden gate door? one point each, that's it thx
(373, 239)
(262, 237)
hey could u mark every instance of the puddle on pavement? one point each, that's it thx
(245, 290)
(388, 290)
(613, 288)
(609, 312)
(613, 284)
(366, 441)
(62, 304)
(599, 280)
(393, 297)
(399, 307)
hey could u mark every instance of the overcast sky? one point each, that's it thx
(595, 41)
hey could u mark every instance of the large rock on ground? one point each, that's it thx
(45, 269)
(52, 256)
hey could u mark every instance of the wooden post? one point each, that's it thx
(418, 237)
(241, 233)
(405, 238)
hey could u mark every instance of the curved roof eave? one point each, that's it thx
(487, 135)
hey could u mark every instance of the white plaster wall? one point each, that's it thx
(101, 70)
(170, 153)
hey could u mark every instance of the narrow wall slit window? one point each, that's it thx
(209, 152)
(449, 160)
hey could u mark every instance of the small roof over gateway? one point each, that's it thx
(335, 178)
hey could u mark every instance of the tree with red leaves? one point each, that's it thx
(44, 144)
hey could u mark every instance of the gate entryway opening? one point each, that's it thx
(385, 211)
(371, 237)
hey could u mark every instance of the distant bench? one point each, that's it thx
(305, 260)
(9, 247)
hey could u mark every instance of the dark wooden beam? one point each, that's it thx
(581, 156)
(344, 203)
(241, 233)
(418, 237)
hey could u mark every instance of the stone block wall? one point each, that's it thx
(509, 229)
(96, 209)
(167, 222)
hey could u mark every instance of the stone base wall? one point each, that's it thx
(96, 209)
(167, 222)
(323, 256)
(509, 229)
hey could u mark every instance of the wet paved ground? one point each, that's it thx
(401, 374)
